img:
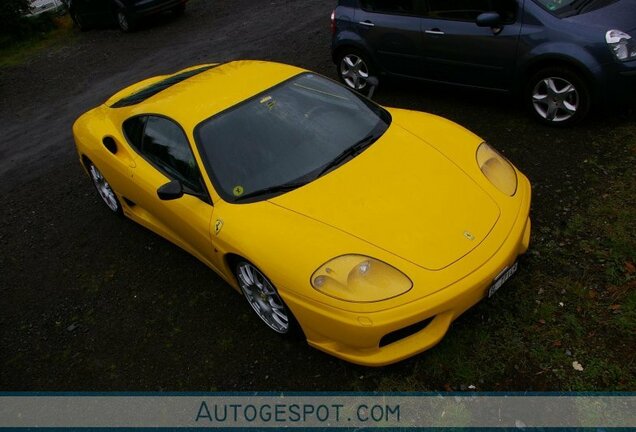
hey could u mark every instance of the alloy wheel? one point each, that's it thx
(354, 71)
(104, 189)
(263, 298)
(555, 99)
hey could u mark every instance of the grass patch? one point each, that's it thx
(13, 52)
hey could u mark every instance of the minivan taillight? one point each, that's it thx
(333, 22)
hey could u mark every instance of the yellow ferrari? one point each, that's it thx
(366, 229)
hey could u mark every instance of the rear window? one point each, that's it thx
(158, 87)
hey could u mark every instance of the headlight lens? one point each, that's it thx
(621, 44)
(497, 169)
(360, 279)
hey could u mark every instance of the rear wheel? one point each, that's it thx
(103, 188)
(557, 96)
(125, 21)
(354, 68)
(78, 21)
(179, 10)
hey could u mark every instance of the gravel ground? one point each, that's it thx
(91, 302)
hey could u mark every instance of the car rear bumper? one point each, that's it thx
(361, 338)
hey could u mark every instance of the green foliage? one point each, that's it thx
(11, 16)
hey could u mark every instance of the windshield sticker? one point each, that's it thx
(237, 191)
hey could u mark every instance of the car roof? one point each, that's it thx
(201, 95)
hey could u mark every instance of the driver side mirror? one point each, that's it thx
(488, 19)
(170, 191)
(373, 83)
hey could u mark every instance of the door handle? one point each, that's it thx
(434, 31)
(367, 23)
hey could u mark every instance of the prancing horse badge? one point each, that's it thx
(217, 226)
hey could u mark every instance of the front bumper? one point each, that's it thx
(619, 84)
(356, 337)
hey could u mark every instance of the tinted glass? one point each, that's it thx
(158, 87)
(166, 146)
(285, 134)
(389, 6)
(134, 129)
(468, 10)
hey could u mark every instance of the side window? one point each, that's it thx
(134, 129)
(389, 6)
(165, 145)
(468, 10)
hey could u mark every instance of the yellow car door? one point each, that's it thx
(166, 156)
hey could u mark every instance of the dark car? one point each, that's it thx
(561, 56)
(125, 13)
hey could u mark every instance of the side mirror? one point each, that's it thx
(170, 191)
(488, 19)
(373, 83)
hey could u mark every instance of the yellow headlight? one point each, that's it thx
(497, 169)
(358, 278)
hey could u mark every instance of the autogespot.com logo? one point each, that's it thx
(303, 413)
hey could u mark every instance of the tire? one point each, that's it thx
(354, 68)
(124, 21)
(78, 21)
(557, 96)
(105, 192)
(263, 298)
(179, 10)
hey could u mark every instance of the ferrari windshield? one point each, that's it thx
(286, 136)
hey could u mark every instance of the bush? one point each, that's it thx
(12, 17)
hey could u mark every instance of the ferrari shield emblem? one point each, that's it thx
(217, 226)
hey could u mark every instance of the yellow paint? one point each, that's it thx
(407, 201)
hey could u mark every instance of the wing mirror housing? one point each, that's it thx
(372, 82)
(488, 19)
(170, 191)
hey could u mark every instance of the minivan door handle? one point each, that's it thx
(434, 31)
(367, 23)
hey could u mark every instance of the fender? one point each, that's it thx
(349, 38)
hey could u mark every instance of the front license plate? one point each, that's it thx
(501, 279)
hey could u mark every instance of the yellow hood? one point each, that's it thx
(404, 196)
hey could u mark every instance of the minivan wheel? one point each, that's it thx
(124, 21)
(354, 69)
(557, 96)
(78, 21)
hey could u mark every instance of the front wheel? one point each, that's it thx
(557, 97)
(263, 297)
(354, 69)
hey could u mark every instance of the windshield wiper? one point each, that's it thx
(349, 152)
(273, 189)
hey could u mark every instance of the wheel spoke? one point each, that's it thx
(552, 110)
(570, 108)
(552, 89)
